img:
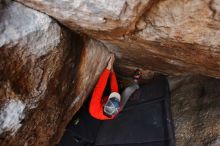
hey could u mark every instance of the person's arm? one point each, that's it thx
(113, 82)
(96, 107)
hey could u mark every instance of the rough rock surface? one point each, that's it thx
(3, 3)
(109, 16)
(46, 72)
(172, 36)
(33, 49)
(195, 107)
(93, 59)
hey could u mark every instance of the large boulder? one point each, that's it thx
(172, 36)
(108, 16)
(34, 49)
(195, 108)
(46, 72)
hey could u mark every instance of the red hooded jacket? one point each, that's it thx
(98, 101)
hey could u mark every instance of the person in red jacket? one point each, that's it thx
(104, 108)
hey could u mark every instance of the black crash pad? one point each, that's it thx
(145, 121)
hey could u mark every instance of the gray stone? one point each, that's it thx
(95, 15)
(195, 108)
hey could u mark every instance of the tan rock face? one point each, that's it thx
(93, 59)
(195, 108)
(186, 33)
(172, 36)
(46, 72)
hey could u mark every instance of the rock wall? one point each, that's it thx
(108, 16)
(172, 36)
(46, 74)
(195, 108)
(34, 49)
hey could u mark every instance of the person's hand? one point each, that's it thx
(111, 62)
